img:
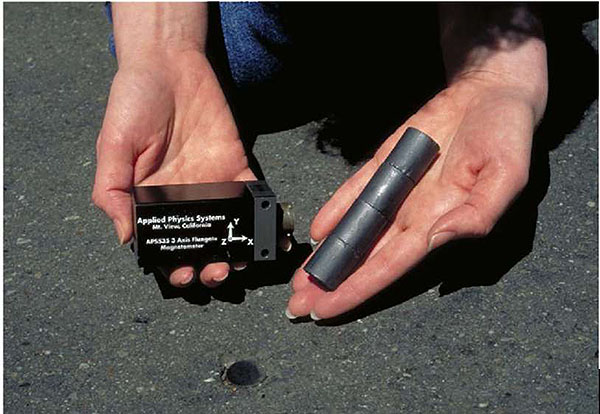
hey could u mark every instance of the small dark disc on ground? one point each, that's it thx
(242, 373)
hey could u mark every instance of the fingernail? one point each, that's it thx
(187, 279)
(120, 232)
(440, 238)
(313, 243)
(314, 316)
(289, 314)
(239, 266)
(221, 278)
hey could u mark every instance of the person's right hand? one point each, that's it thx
(167, 122)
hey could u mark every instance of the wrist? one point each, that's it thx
(175, 75)
(158, 31)
(486, 82)
(500, 45)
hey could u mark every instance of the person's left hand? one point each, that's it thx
(484, 129)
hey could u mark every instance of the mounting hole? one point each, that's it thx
(265, 204)
(264, 252)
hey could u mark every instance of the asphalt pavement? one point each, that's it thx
(506, 325)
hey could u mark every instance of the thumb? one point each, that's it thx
(495, 189)
(113, 182)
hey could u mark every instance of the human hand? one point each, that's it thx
(167, 122)
(484, 128)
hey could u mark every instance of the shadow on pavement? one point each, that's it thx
(572, 70)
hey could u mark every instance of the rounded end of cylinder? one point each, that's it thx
(428, 144)
(332, 263)
(414, 153)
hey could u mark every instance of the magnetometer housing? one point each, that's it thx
(191, 224)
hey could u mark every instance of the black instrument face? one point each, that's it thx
(201, 223)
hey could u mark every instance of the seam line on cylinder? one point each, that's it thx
(376, 209)
(348, 246)
(401, 171)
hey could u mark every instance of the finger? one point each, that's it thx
(213, 274)
(182, 277)
(332, 212)
(178, 276)
(393, 260)
(301, 279)
(246, 175)
(239, 266)
(112, 185)
(496, 187)
(302, 302)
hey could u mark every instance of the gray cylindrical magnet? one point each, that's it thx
(360, 216)
(321, 263)
(354, 237)
(387, 190)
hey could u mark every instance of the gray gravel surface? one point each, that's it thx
(85, 331)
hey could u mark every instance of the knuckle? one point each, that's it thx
(442, 102)
(116, 141)
(483, 226)
(521, 178)
(97, 199)
(515, 173)
(480, 224)
(111, 141)
(99, 142)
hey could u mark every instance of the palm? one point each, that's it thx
(467, 139)
(166, 125)
(180, 124)
(485, 148)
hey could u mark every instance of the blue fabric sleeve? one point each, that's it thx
(253, 34)
(111, 36)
